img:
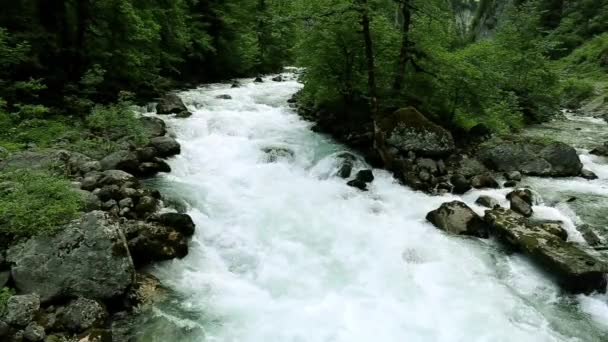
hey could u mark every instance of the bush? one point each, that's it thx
(34, 202)
(575, 91)
(116, 122)
(5, 294)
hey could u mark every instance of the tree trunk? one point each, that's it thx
(369, 57)
(404, 54)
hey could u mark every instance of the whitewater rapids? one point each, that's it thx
(285, 251)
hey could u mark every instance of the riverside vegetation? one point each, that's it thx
(416, 86)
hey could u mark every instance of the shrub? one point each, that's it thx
(575, 91)
(115, 122)
(5, 294)
(35, 202)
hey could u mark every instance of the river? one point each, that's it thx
(285, 251)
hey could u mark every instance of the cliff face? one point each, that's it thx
(490, 14)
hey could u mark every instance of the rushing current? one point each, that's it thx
(285, 251)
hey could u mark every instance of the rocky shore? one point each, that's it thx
(77, 284)
(426, 157)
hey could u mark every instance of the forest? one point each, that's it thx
(59, 59)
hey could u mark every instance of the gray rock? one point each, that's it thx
(408, 130)
(81, 314)
(146, 204)
(554, 159)
(347, 162)
(470, 167)
(118, 177)
(510, 184)
(589, 234)
(88, 257)
(521, 206)
(487, 201)
(126, 203)
(224, 97)
(170, 104)
(165, 146)
(428, 164)
(461, 184)
(109, 192)
(90, 166)
(601, 150)
(154, 127)
(146, 290)
(275, 154)
(513, 176)
(149, 169)
(20, 310)
(575, 269)
(60, 161)
(359, 184)
(146, 154)
(181, 222)
(109, 205)
(589, 175)
(152, 242)
(554, 228)
(34, 333)
(5, 276)
(90, 181)
(457, 218)
(121, 160)
(484, 181)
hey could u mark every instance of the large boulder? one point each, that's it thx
(88, 257)
(554, 159)
(576, 269)
(61, 161)
(154, 127)
(181, 222)
(408, 130)
(457, 218)
(521, 201)
(171, 104)
(165, 146)
(121, 160)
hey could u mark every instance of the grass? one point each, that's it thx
(36, 202)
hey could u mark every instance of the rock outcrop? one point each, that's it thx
(89, 257)
(576, 269)
(408, 130)
(554, 159)
(457, 218)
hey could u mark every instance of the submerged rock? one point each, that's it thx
(601, 150)
(224, 97)
(457, 218)
(88, 257)
(275, 154)
(487, 201)
(588, 175)
(555, 159)
(347, 162)
(359, 184)
(408, 130)
(576, 270)
(365, 176)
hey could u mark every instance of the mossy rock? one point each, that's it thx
(408, 130)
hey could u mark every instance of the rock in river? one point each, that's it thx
(457, 218)
(172, 104)
(88, 257)
(576, 270)
(554, 159)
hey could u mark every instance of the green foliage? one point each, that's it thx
(35, 202)
(588, 61)
(5, 294)
(574, 91)
(116, 122)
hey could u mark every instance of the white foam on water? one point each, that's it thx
(287, 252)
